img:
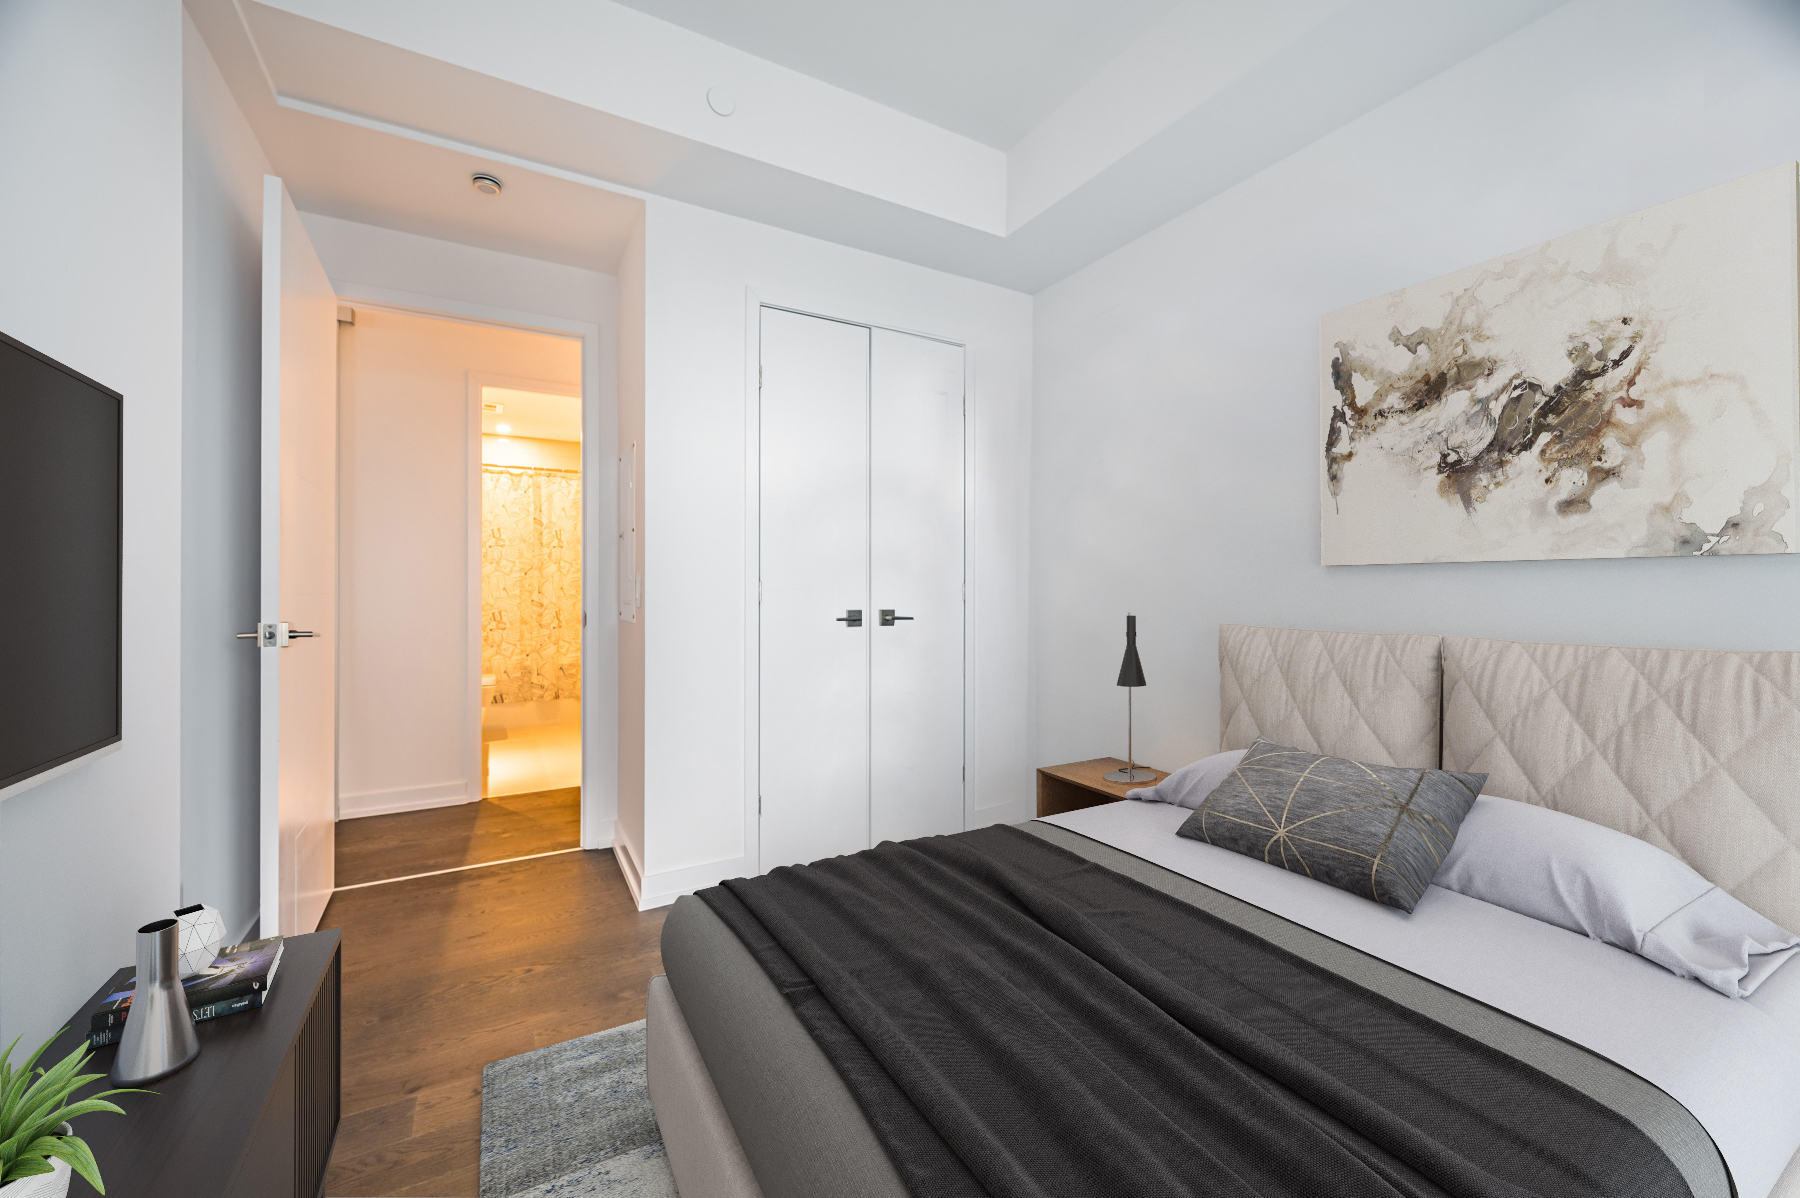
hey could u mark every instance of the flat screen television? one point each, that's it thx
(61, 490)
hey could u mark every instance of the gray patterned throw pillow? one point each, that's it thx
(1379, 831)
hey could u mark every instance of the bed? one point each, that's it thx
(1695, 752)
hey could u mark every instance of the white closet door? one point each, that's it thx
(814, 676)
(916, 570)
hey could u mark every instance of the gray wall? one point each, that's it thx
(222, 170)
(91, 274)
(1177, 407)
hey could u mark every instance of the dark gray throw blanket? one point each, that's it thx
(1015, 1020)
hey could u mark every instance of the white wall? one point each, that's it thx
(699, 803)
(91, 274)
(1177, 428)
(222, 170)
(404, 477)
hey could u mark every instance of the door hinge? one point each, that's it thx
(759, 804)
(759, 590)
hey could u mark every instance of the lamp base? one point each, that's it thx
(1140, 774)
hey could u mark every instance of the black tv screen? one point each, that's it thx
(60, 564)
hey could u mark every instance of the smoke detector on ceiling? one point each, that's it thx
(487, 185)
(721, 101)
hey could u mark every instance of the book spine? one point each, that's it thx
(100, 1037)
(115, 1016)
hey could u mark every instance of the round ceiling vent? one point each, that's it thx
(721, 101)
(487, 185)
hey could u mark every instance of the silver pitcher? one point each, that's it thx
(159, 1032)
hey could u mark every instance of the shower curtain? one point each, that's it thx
(531, 582)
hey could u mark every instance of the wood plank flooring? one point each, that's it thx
(416, 842)
(444, 974)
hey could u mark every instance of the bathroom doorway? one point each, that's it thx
(460, 567)
(530, 585)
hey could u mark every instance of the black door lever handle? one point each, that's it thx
(888, 617)
(852, 616)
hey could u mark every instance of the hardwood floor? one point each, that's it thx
(416, 842)
(444, 974)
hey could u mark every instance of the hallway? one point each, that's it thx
(447, 971)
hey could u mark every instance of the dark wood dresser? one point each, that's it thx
(255, 1112)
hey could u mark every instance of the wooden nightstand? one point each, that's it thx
(1080, 784)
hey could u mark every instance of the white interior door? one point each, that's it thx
(813, 682)
(916, 570)
(299, 572)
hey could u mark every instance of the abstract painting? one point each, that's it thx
(1631, 390)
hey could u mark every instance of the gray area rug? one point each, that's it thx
(573, 1120)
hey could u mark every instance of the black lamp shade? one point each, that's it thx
(1131, 670)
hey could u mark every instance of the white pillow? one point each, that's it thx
(1614, 888)
(1189, 785)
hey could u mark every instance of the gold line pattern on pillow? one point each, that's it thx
(1376, 831)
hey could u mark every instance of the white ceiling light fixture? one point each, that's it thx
(721, 101)
(486, 184)
(503, 428)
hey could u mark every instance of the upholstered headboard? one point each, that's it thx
(1696, 751)
(1366, 696)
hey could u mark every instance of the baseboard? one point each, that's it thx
(402, 798)
(661, 889)
(604, 837)
(634, 873)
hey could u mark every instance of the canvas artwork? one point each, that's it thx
(1631, 390)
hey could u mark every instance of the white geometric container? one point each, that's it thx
(202, 932)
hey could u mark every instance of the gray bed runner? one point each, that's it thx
(804, 1134)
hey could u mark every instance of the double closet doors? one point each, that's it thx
(860, 682)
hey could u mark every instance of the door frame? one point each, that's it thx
(599, 633)
(473, 384)
(754, 303)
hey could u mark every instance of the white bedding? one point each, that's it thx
(1733, 1063)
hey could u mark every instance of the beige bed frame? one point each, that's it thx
(1696, 751)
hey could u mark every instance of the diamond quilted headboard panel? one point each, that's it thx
(1367, 696)
(1695, 751)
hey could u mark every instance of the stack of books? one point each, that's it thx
(238, 980)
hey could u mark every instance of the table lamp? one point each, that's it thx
(1131, 676)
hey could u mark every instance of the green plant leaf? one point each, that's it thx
(79, 1156)
(86, 1106)
(30, 1167)
(41, 1049)
(34, 1102)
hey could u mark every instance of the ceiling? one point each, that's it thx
(420, 185)
(987, 69)
(531, 414)
(875, 126)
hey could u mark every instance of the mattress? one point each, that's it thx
(1733, 1063)
(803, 1135)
